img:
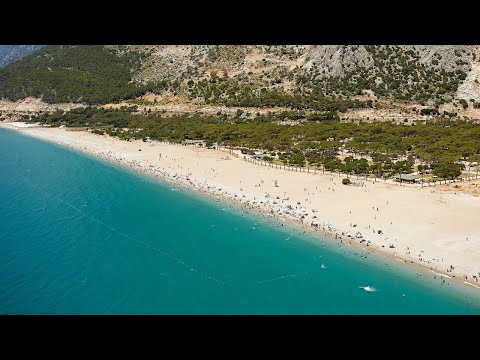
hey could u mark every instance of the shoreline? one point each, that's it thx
(284, 212)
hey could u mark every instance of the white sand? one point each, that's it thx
(22, 125)
(427, 227)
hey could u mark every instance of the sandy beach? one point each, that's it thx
(437, 230)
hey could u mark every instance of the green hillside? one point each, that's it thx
(80, 74)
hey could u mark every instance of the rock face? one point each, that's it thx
(334, 60)
(12, 53)
(449, 57)
(470, 88)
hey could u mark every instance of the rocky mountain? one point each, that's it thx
(12, 53)
(290, 76)
(397, 71)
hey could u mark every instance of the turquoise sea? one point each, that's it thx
(81, 236)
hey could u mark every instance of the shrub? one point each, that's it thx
(346, 181)
(429, 112)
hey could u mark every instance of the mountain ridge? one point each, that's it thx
(343, 78)
(11, 53)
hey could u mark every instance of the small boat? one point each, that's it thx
(367, 288)
(323, 266)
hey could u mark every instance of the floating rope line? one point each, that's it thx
(281, 278)
(156, 249)
(146, 245)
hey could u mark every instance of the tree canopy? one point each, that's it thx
(316, 143)
(81, 74)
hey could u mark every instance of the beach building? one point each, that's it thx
(408, 178)
(199, 143)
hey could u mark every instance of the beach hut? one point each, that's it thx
(409, 178)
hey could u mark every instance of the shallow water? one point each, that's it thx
(80, 236)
